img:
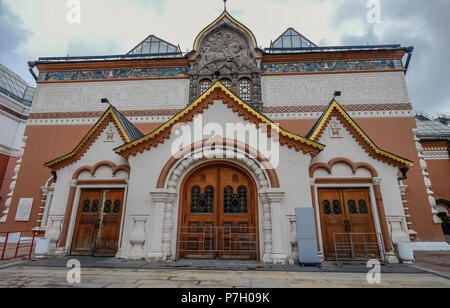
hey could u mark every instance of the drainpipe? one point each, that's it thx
(32, 65)
(409, 50)
(404, 172)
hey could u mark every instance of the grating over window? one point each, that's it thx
(202, 203)
(204, 86)
(245, 90)
(288, 40)
(235, 203)
(153, 45)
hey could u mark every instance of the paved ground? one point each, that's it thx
(110, 273)
(434, 261)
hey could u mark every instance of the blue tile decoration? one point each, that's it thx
(131, 73)
(333, 66)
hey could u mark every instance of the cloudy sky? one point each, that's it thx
(30, 29)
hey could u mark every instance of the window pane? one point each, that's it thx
(245, 91)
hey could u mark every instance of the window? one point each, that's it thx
(226, 83)
(235, 203)
(363, 209)
(245, 90)
(204, 86)
(337, 207)
(202, 203)
(352, 207)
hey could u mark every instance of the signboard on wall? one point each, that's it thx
(24, 209)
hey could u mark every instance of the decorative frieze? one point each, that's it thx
(129, 73)
(332, 66)
(435, 153)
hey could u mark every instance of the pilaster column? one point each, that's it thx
(267, 228)
(68, 213)
(275, 197)
(382, 214)
(159, 198)
(168, 226)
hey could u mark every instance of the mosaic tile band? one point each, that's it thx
(266, 110)
(268, 68)
(133, 73)
(333, 66)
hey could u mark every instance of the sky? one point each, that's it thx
(30, 29)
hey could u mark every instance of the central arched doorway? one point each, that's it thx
(218, 215)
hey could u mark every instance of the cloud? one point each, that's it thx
(12, 35)
(410, 23)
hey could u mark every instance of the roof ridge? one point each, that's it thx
(262, 118)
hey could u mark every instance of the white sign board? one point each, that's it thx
(24, 209)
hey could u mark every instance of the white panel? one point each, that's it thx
(125, 95)
(318, 89)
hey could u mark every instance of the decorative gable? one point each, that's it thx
(113, 123)
(335, 119)
(219, 92)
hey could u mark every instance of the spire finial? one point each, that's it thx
(225, 5)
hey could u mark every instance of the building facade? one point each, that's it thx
(15, 104)
(208, 154)
(433, 139)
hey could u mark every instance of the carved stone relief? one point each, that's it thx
(226, 51)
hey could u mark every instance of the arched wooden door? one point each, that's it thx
(219, 213)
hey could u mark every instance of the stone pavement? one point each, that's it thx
(111, 273)
(434, 261)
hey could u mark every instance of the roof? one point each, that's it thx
(334, 109)
(127, 130)
(238, 105)
(432, 129)
(153, 45)
(290, 39)
(15, 87)
(226, 15)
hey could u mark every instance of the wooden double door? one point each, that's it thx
(347, 221)
(98, 223)
(218, 217)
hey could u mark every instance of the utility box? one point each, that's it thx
(307, 236)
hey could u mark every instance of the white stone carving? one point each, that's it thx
(426, 178)
(137, 237)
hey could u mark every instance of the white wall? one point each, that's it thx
(318, 89)
(125, 95)
(146, 167)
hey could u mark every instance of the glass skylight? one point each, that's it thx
(157, 47)
(14, 87)
(288, 40)
(432, 128)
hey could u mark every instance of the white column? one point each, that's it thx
(278, 254)
(159, 198)
(267, 228)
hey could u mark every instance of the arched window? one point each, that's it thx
(204, 86)
(226, 83)
(245, 90)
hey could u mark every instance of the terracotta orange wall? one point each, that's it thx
(44, 144)
(439, 171)
(395, 135)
